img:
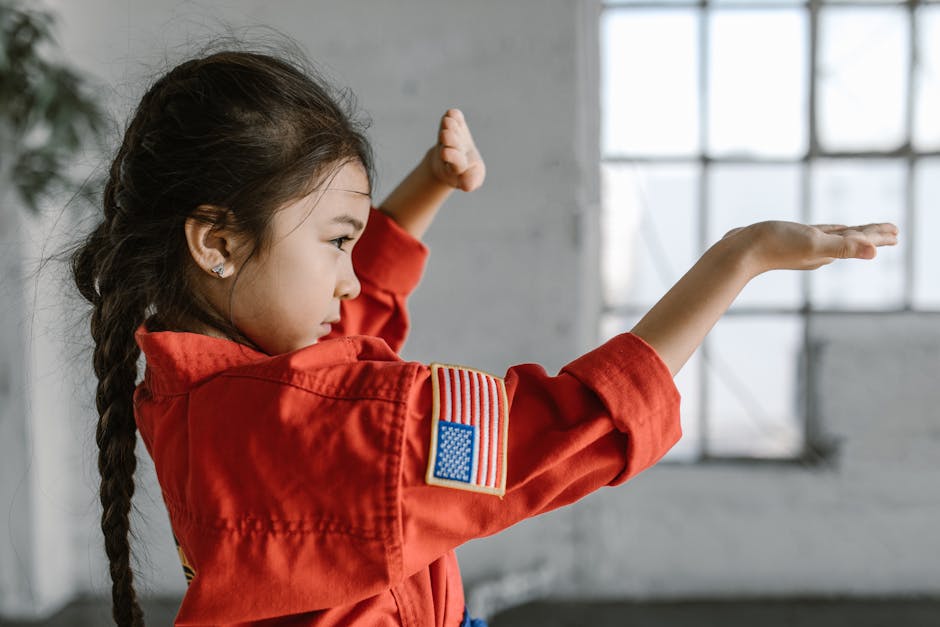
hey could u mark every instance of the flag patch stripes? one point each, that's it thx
(468, 430)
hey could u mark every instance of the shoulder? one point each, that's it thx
(353, 367)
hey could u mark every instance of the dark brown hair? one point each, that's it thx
(242, 131)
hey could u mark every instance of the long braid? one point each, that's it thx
(105, 280)
(115, 363)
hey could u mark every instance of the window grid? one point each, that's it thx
(813, 448)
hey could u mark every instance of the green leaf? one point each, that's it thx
(35, 91)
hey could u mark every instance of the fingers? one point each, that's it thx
(857, 242)
(881, 233)
(450, 138)
(455, 159)
(458, 151)
(853, 244)
(872, 235)
(473, 177)
(854, 247)
(455, 115)
(453, 130)
(829, 228)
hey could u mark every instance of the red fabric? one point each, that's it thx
(295, 483)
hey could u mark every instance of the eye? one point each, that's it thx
(339, 241)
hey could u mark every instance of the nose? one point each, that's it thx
(347, 284)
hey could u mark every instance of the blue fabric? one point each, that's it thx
(456, 444)
(472, 622)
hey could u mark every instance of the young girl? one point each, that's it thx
(313, 477)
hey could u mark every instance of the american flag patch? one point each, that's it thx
(468, 430)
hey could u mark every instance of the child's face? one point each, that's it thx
(286, 293)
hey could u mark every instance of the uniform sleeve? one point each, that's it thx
(605, 417)
(389, 263)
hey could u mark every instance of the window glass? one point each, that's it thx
(757, 83)
(926, 234)
(754, 407)
(649, 226)
(649, 82)
(853, 192)
(862, 72)
(927, 80)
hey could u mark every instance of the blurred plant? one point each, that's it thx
(44, 111)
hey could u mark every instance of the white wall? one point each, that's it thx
(520, 71)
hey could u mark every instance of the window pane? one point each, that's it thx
(649, 82)
(863, 66)
(743, 194)
(688, 382)
(753, 377)
(648, 229)
(750, 3)
(757, 82)
(853, 193)
(927, 235)
(927, 104)
(629, 2)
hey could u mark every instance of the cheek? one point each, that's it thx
(305, 279)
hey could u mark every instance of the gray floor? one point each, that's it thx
(888, 613)
(97, 613)
(925, 613)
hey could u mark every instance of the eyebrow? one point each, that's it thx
(351, 191)
(347, 219)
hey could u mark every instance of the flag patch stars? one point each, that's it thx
(468, 431)
(456, 451)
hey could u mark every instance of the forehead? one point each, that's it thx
(349, 176)
(344, 192)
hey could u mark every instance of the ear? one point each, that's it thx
(211, 242)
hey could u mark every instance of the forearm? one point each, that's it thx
(415, 201)
(678, 323)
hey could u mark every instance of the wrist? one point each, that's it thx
(434, 177)
(739, 252)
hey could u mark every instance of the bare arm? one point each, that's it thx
(454, 162)
(414, 203)
(678, 323)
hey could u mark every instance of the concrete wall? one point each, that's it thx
(522, 72)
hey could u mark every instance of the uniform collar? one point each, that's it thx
(179, 360)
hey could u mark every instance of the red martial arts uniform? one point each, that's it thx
(330, 485)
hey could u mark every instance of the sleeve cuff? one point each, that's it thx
(389, 257)
(638, 389)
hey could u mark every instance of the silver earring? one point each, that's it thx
(219, 269)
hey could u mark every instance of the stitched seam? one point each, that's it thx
(271, 526)
(386, 393)
(394, 444)
(401, 605)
